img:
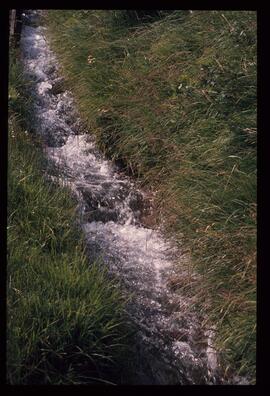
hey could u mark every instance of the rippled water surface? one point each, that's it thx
(171, 346)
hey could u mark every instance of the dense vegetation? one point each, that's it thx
(172, 96)
(66, 322)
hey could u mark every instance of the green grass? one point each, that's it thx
(173, 96)
(66, 318)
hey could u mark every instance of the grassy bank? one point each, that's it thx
(66, 322)
(173, 97)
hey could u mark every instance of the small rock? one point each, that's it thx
(58, 87)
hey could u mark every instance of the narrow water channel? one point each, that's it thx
(172, 347)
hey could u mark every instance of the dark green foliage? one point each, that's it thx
(66, 321)
(137, 17)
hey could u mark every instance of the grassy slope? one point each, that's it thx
(65, 319)
(175, 100)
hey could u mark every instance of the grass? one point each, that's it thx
(173, 97)
(66, 318)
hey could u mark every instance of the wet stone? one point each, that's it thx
(101, 214)
(55, 138)
(58, 86)
(50, 69)
(136, 201)
(95, 199)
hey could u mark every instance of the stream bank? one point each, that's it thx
(171, 345)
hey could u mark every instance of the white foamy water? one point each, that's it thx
(171, 346)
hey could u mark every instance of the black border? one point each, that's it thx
(4, 37)
(263, 151)
(137, 4)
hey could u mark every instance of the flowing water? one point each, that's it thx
(171, 346)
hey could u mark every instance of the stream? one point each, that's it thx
(171, 345)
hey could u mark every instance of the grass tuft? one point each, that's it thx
(173, 96)
(66, 322)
